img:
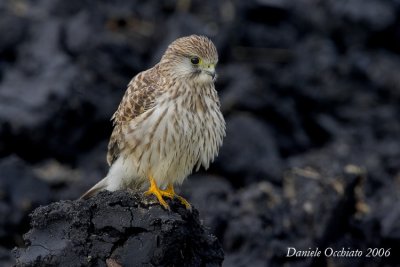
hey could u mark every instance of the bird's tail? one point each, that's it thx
(101, 185)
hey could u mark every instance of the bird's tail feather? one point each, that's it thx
(101, 185)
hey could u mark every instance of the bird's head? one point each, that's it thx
(193, 57)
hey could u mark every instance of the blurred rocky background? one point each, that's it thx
(310, 91)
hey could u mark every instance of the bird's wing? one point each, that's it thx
(139, 97)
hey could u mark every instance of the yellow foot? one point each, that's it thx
(170, 192)
(184, 202)
(154, 190)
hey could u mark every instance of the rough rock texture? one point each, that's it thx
(119, 228)
(310, 91)
(17, 198)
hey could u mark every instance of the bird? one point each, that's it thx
(168, 123)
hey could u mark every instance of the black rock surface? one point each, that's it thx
(309, 91)
(17, 199)
(117, 228)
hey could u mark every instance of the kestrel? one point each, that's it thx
(168, 123)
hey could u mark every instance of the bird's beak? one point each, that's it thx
(210, 70)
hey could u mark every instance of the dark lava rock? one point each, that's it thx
(6, 258)
(312, 209)
(117, 229)
(20, 192)
(250, 149)
(205, 191)
(306, 95)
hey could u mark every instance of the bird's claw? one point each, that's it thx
(169, 193)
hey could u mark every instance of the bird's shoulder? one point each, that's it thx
(139, 97)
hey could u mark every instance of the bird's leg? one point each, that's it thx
(154, 190)
(170, 192)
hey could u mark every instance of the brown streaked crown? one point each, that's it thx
(193, 45)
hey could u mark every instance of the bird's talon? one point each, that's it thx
(154, 190)
(159, 198)
(167, 194)
(185, 203)
(164, 204)
(170, 190)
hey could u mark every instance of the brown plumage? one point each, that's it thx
(167, 123)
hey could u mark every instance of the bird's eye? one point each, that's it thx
(195, 60)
